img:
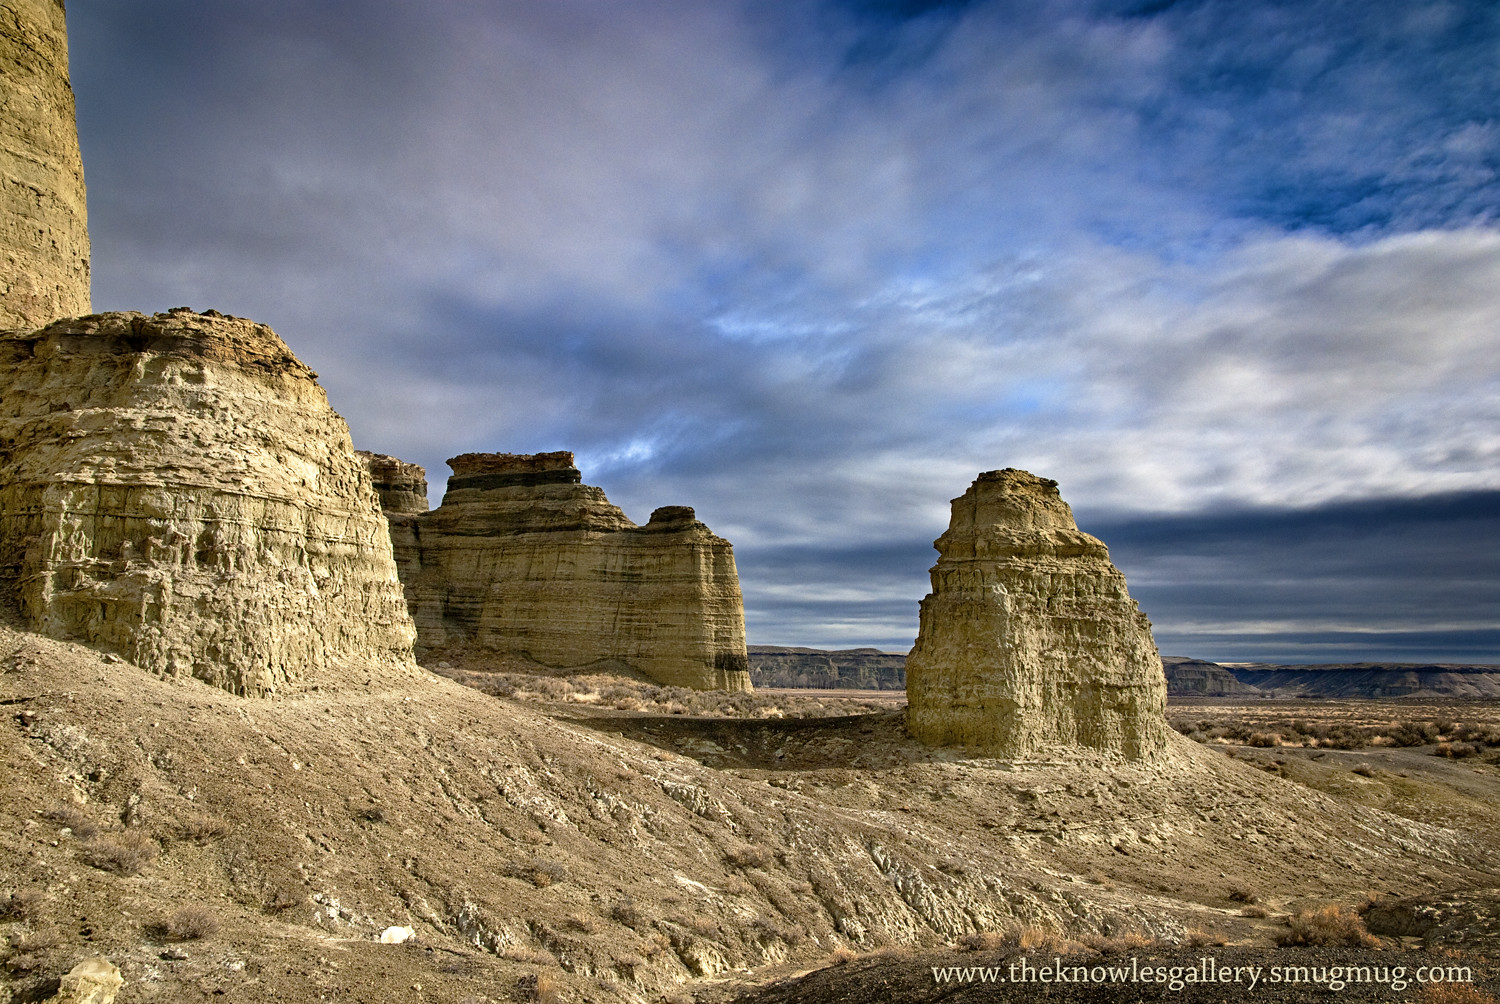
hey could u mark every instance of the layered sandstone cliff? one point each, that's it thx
(178, 491)
(1029, 638)
(44, 241)
(523, 558)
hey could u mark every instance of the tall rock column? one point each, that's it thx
(44, 239)
(177, 489)
(1029, 638)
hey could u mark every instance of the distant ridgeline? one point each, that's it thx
(849, 669)
(872, 669)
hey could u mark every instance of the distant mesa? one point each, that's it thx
(845, 669)
(1029, 638)
(1188, 677)
(523, 558)
(179, 492)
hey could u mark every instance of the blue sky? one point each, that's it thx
(1227, 271)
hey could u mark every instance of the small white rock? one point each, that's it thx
(396, 935)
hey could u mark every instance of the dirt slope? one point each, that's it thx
(614, 856)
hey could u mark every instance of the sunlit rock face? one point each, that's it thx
(178, 491)
(1029, 639)
(44, 239)
(523, 558)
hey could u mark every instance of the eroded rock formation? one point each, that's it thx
(1029, 638)
(402, 487)
(178, 491)
(44, 241)
(523, 558)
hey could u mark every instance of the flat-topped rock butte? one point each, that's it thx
(524, 559)
(1029, 638)
(179, 492)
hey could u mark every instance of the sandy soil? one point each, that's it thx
(555, 846)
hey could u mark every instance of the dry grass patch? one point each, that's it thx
(23, 904)
(192, 922)
(72, 818)
(538, 872)
(202, 827)
(1030, 939)
(124, 854)
(1117, 944)
(1329, 925)
(749, 856)
(628, 913)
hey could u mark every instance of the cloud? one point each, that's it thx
(810, 267)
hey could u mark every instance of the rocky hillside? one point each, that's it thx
(844, 669)
(216, 844)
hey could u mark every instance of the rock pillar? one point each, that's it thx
(1029, 639)
(44, 239)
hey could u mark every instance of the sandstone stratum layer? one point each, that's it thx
(179, 492)
(1029, 638)
(44, 240)
(522, 558)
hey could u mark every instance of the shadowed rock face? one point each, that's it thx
(402, 487)
(1029, 638)
(178, 491)
(44, 240)
(523, 558)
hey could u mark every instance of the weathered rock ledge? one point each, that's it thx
(1029, 638)
(179, 492)
(402, 487)
(522, 558)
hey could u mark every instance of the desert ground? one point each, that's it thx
(600, 838)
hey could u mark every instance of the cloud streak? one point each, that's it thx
(810, 267)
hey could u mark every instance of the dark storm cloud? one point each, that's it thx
(1406, 579)
(809, 267)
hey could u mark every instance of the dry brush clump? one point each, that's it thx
(1331, 925)
(73, 819)
(538, 872)
(202, 827)
(1022, 939)
(749, 856)
(191, 923)
(23, 904)
(124, 853)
